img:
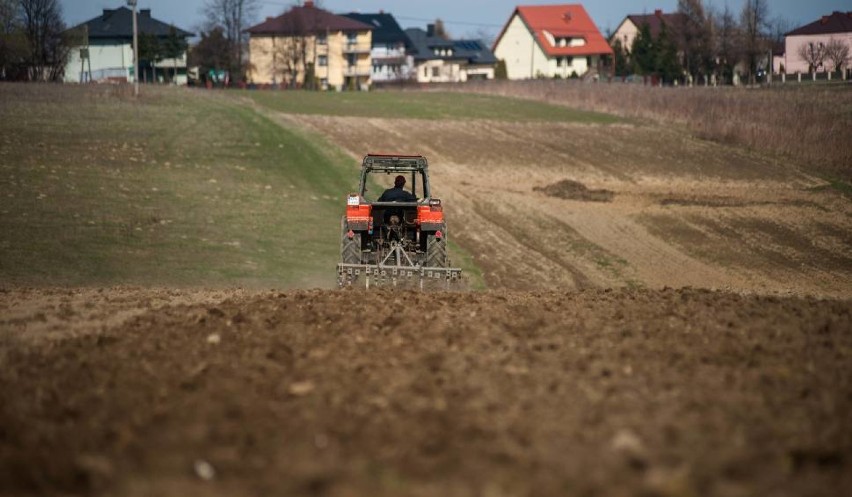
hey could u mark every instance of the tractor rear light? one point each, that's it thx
(435, 205)
(439, 235)
(350, 234)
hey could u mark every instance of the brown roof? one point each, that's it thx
(304, 20)
(837, 22)
(656, 20)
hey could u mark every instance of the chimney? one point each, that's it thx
(309, 4)
(145, 13)
(658, 13)
(430, 30)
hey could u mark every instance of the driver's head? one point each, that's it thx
(399, 181)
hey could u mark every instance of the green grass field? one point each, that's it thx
(181, 188)
(189, 188)
(423, 105)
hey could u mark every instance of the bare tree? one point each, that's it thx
(754, 21)
(233, 16)
(837, 52)
(696, 34)
(728, 52)
(813, 54)
(43, 26)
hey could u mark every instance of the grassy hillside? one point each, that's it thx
(180, 188)
(424, 105)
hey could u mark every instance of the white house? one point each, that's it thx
(108, 40)
(550, 40)
(438, 60)
(837, 26)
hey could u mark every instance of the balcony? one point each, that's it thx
(356, 48)
(357, 71)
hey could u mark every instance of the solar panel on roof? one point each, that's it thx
(469, 45)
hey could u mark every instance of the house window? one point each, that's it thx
(322, 39)
(352, 38)
(322, 60)
(436, 72)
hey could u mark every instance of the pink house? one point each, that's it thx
(837, 26)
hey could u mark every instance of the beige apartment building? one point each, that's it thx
(307, 40)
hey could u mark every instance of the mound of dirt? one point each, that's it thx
(574, 190)
(388, 393)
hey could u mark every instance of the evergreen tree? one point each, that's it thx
(621, 61)
(667, 65)
(173, 47)
(500, 72)
(643, 51)
(150, 53)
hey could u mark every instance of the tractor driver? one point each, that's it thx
(397, 193)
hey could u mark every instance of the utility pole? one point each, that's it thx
(132, 3)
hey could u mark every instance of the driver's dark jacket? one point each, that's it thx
(397, 195)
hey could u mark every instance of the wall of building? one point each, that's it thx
(345, 61)
(109, 59)
(626, 33)
(794, 64)
(440, 71)
(524, 57)
(390, 63)
(565, 66)
(479, 72)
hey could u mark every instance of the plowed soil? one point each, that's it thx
(682, 211)
(579, 372)
(345, 393)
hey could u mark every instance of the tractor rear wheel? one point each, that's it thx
(436, 251)
(350, 248)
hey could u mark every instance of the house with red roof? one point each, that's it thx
(551, 41)
(817, 36)
(307, 42)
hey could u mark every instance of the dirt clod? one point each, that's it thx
(574, 190)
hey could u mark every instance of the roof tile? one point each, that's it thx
(568, 20)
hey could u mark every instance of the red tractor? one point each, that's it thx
(403, 241)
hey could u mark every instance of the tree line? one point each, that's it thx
(706, 43)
